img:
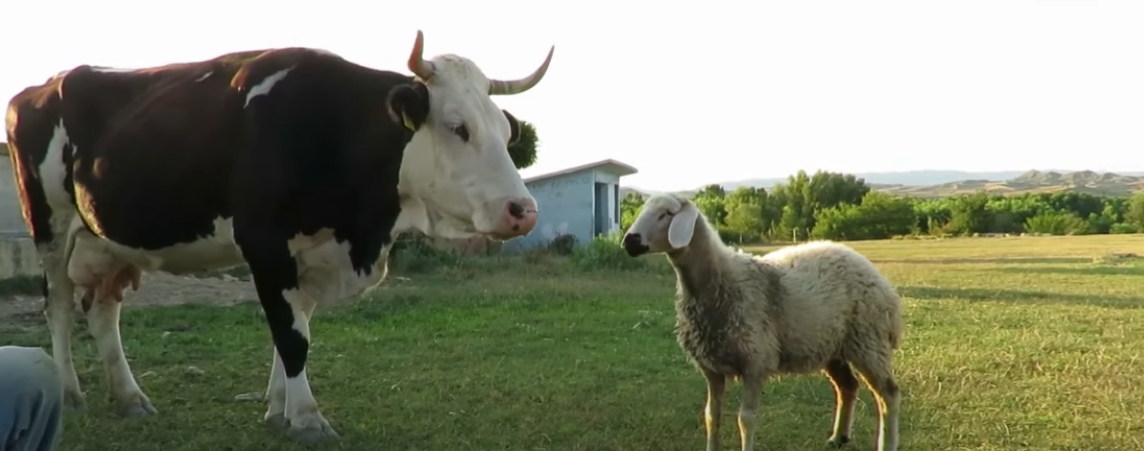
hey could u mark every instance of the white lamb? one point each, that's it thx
(800, 309)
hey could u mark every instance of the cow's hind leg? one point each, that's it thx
(103, 322)
(276, 280)
(59, 308)
(105, 279)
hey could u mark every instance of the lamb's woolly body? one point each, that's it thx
(815, 306)
(789, 311)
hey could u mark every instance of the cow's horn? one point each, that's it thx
(510, 87)
(417, 65)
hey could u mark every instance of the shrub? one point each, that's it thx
(415, 255)
(1057, 223)
(604, 252)
(1123, 228)
(563, 245)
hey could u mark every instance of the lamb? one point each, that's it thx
(800, 309)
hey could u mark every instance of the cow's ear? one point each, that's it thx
(513, 125)
(408, 105)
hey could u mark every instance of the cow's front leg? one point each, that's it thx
(286, 308)
(276, 388)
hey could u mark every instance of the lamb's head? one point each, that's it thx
(666, 223)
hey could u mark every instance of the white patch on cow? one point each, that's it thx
(106, 69)
(325, 271)
(276, 388)
(301, 409)
(53, 172)
(413, 216)
(266, 85)
(216, 251)
(204, 76)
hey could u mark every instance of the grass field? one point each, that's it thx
(1011, 343)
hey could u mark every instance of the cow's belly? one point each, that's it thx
(326, 273)
(216, 251)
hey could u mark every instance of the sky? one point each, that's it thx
(699, 92)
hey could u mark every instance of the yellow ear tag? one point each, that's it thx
(408, 122)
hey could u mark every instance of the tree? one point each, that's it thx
(1135, 214)
(630, 207)
(523, 152)
(709, 200)
(968, 214)
(879, 216)
(745, 211)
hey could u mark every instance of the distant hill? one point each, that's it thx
(1102, 184)
(937, 183)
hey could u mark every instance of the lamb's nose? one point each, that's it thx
(633, 245)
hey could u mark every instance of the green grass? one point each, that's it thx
(1011, 343)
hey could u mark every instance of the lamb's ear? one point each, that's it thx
(682, 226)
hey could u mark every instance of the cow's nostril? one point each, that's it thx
(516, 210)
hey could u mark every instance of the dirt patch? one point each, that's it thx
(155, 289)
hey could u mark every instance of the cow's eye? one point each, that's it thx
(462, 131)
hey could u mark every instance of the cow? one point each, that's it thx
(294, 161)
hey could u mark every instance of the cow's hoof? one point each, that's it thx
(312, 432)
(277, 420)
(136, 406)
(73, 401)
(838, 441)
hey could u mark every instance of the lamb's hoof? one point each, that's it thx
(136, 406)
(838, 441)
(311, 430)
(277, 420)
(73, 401)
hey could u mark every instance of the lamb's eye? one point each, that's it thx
(462, 131)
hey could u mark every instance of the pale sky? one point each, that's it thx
(703, 91)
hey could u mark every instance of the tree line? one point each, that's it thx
(836, 206)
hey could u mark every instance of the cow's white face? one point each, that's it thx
(457, 179)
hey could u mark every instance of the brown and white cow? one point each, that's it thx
(295, 161)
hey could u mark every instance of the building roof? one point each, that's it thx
(608, 165)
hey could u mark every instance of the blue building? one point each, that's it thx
(583, 201)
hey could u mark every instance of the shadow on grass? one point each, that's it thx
(1082, 271)
(991, 260)
(1021, 297)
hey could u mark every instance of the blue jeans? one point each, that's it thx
(31, 400)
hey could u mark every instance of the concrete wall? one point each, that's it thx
(10, 219)
(18, 258)
(565, 207)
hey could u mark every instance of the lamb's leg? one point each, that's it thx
(752, 391)
(845, 393)
(713, 413)
(879, 378)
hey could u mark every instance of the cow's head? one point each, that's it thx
(457, 179)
